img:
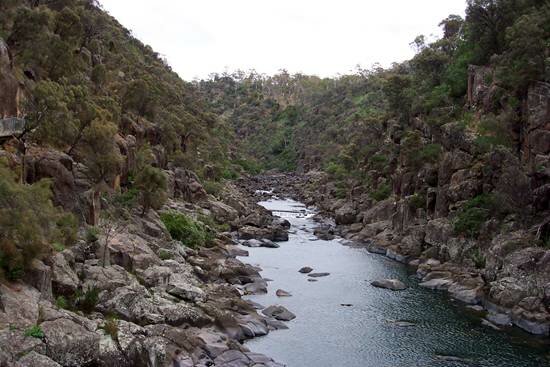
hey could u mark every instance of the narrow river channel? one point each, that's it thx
(343, 321)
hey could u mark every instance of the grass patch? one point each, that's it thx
(35, 332)
(165, 255)
(61, 302)
(111, 327)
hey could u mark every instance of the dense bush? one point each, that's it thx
(473, 214)
(189, 232)
(30, 224)
(381, 193)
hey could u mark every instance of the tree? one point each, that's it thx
(138, 98)
(524, 59)
(395, 90)
(49, 116)
(30, 223)
(99, 151)
(451, 26)
(151, 183)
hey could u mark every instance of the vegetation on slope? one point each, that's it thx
(364, 129)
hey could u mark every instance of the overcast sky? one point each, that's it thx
(319, 37)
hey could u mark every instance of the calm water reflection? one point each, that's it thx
(325, 333)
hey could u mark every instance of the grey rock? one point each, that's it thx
(19, 306)
(393, 284)
(252, 243)
(269, 244)
(257, 287)
(437, 283)
(279, 313)
(282, 293)
(305, 270)
(34, 359)
(318, 275)
(499, 319)
(180, 286)
(69, 343)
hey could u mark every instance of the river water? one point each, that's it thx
(327, 333)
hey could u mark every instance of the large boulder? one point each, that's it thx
(18, 306)
(221, 212)
(181, 286)
(346, 214)
(131, 303)
(64, 279)
(131, 252)
(106, 277)
(69, 343)
(381, 211)
(15, 345)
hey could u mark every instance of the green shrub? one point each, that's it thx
(212, 187)
(86, 301)
(61, 302)
(417, 201)
(92, 234)
(378, 161)
(479, 259)
(209, 221)
(430, 153)
(335, 170)
(229, 174)
(35, 332)
(151, 183)
(189, 232)
(128, 198)
(473, 214)
(58, 247)
(249, 166)
(381, 193)
(164, 255)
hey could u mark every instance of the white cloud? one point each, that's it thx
(311, 36)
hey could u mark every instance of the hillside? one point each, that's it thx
(444, 156)
(112, 252)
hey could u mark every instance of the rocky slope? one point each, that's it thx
(145, 296)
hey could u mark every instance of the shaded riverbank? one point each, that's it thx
(371, 332)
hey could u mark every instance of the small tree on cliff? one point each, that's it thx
(151, 183)
(99, 151)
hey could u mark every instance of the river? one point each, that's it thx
(343, 321)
